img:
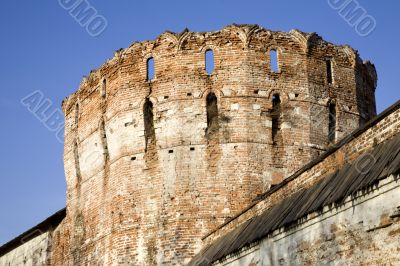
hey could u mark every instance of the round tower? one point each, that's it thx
(172, 137)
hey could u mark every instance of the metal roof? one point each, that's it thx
(332, 190)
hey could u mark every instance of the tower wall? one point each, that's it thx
(148, 198)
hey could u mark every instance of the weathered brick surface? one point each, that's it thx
(129, 202)
(386, 128)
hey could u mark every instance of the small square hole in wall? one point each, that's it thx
(171, 151)
(166, 97)
(256, 91)
(133, 158)
(296, 95)
(189, 94)
(192, 148)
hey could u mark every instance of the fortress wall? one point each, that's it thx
(362, 231)
(386, 127)
(32, 252)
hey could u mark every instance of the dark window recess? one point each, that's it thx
(150, 69)
(133, 158)
(212, 113)
(77, 165)
(170, 151)
(149, 133)
(103, 136)
(273, 60)
(192, 148)
(209, 58)
(104, 88)
(76, 114)
(329, 74)
(189, 94)
(276, 112)
(332, 123)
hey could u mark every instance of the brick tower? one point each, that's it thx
(156, 158)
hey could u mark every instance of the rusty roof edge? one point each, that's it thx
(37, 230)
(311, 164)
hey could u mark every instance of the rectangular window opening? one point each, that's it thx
(209, 61)
(276, 112)
(273, 57)
(329, 71)
(150, 69)
(332, 123)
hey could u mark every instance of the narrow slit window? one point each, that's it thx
(103, 136)
(103, 92)
(273, 60)
(76, 114)
(150, 69)
(77, 166)
(209, 58)
(149, 132)
(276, 112)
(276, 101)
(329, 73)
(212, 113)
(332, 123)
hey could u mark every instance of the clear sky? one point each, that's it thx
(44, 48)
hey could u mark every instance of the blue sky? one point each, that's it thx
(44, 48)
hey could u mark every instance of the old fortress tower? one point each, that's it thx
(172, 138)
(152, 165)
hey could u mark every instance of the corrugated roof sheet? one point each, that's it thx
(381, 162)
